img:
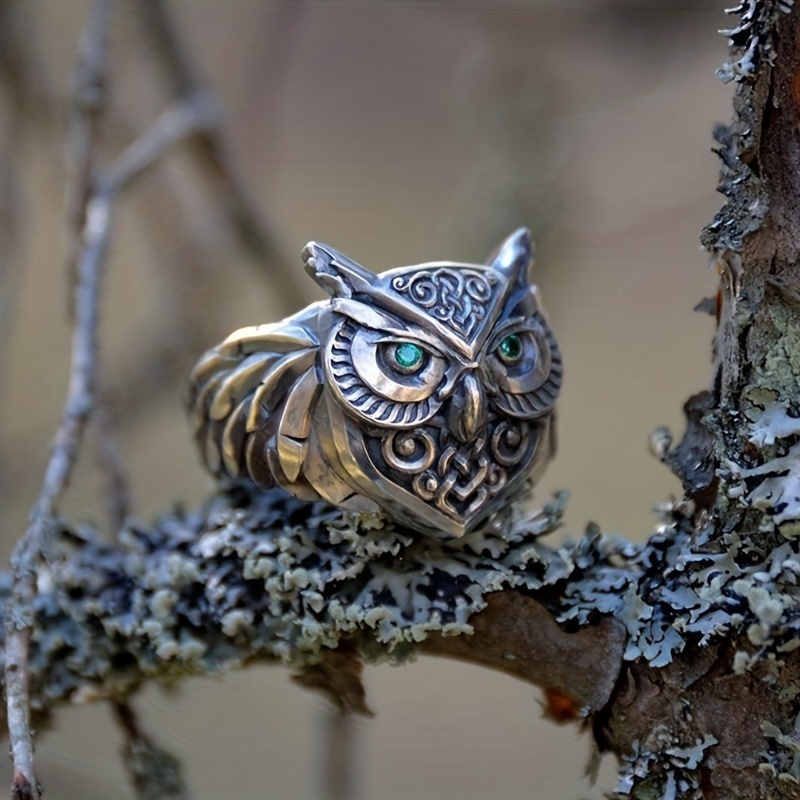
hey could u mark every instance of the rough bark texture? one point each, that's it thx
(736, 698)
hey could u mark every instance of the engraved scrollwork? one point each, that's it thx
(458, 298)
(409, 452)
(426, 486)
(459, 479)
(496, 478)
(510, 442)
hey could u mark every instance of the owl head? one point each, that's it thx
(447, 374)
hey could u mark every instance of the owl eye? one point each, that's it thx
(383, 378)
(510, 349)
(519, 361)
(515, 356)
(524, 371)
(406, 358)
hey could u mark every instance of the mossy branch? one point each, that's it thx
(262, 576)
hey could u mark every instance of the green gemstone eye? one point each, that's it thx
(510, 349)
(407, 356)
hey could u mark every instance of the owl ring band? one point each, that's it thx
(426, 392)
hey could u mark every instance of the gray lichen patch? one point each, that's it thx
(783, 756)
(262, 575)
(772, 484)
(771, 422)
(691, 587)
(671, 768)
(774, 355)
(752, 43)
(752, 38)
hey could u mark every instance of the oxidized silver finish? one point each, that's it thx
(424, 391)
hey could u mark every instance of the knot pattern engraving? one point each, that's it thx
(458, 479)
(459, 298)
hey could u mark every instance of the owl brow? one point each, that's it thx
(439, 334)
(377, 320)
(517, 324)
(401, 337)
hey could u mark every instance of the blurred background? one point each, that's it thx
(398, 132)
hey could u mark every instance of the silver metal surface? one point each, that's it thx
(425, 391)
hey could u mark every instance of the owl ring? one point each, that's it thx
(426, 392)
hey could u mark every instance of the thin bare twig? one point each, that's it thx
(173, 125)
(24, 784)
(118, 491)
(195, 113)
(87, 106)
(338, 758)
(155, 773)
(30, 549)
(209, 151)
(33, 545)
(87, 109)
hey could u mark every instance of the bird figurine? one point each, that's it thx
(426, 392)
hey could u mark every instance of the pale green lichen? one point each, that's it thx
(261, 575)
(752, 37)
(783, 761)
(772, 486)
(771, 422)
(687, 586)
(670, 768)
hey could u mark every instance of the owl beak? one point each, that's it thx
(467, 414)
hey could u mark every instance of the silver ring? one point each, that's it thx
(426, 392)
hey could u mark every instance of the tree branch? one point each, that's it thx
(155, 774)
(210, 153)
(32, 546)
(91, 209)
(261, 576)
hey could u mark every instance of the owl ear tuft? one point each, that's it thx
(514, 257)
(338, 275)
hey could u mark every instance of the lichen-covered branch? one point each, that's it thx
(624, 635)
(261, 576)
(718, 719)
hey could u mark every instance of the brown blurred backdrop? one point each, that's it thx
(398, 132)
